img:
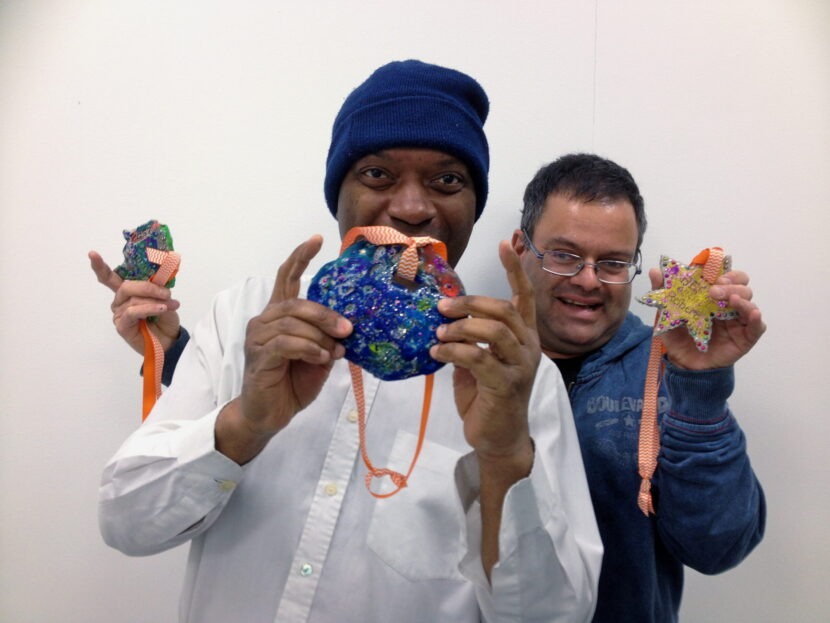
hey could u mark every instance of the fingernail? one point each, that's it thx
(717, 292)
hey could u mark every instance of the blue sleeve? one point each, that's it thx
(711, 510)
(171, 357)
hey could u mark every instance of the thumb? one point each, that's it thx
(103, 272)
(287, 284)
(656, 278)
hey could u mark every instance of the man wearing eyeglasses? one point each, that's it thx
(582, 226)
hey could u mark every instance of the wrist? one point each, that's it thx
(236, 436)
(507, 465)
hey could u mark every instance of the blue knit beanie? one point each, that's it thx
(411, 104)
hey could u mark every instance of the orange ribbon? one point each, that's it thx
(408, 264)
(649, 442)
(407, 269)
(168, 262)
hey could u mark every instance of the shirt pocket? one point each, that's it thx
(420, 531)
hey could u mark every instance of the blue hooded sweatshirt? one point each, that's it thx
(710, 509)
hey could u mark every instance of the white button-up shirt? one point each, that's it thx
(295, 536)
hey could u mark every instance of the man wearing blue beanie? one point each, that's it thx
(252, 452)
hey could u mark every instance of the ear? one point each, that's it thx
(518, 242)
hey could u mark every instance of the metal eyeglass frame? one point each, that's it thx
(597, 266)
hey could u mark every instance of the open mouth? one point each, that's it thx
(580, 305)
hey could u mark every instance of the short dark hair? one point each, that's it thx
(586, 177)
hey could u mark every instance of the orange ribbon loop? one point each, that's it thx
(408, 264)
(407, 269)
(712, 261)
(398, 479)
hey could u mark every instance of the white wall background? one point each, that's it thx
(214, 118)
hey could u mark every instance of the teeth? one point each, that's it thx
(570, 302)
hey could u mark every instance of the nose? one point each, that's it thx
(587, 277)
(411, 203)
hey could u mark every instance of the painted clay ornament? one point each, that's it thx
(144, 252)
(684, 298)
(388, 285)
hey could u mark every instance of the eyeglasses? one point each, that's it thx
(615, 272)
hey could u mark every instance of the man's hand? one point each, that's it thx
(135, 301)
(731, 339)
(495, 349)
(289, 351)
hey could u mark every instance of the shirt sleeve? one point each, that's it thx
(549, 546)
(171, 356)
(167, 482)
(710, 508)
(155, 496)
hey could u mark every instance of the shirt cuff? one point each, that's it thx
(698, 397)
(171, 356)
(525, 503)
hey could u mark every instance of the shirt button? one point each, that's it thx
(306, 570)
(330, 489)
(226, 485)
(352, 417)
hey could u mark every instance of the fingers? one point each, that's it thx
(483, 319)
(287, 288)
(736, 277)
(287, 285)
(520, 285)
(749, 315)
(141, 300)
(290, 328)
(518, 314)
(142, 293)
(731, 284)
(656, 277)
(755, 326)
(103, 272)
(733, 288)
(128, 314)
(489, 336)
(490, 332)
(473, 341)
(299, 330)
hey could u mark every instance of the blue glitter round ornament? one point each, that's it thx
(394, 320)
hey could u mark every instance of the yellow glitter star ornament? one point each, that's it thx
(684, 298)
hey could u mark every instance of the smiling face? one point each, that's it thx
(419, 192)
(576, 315)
